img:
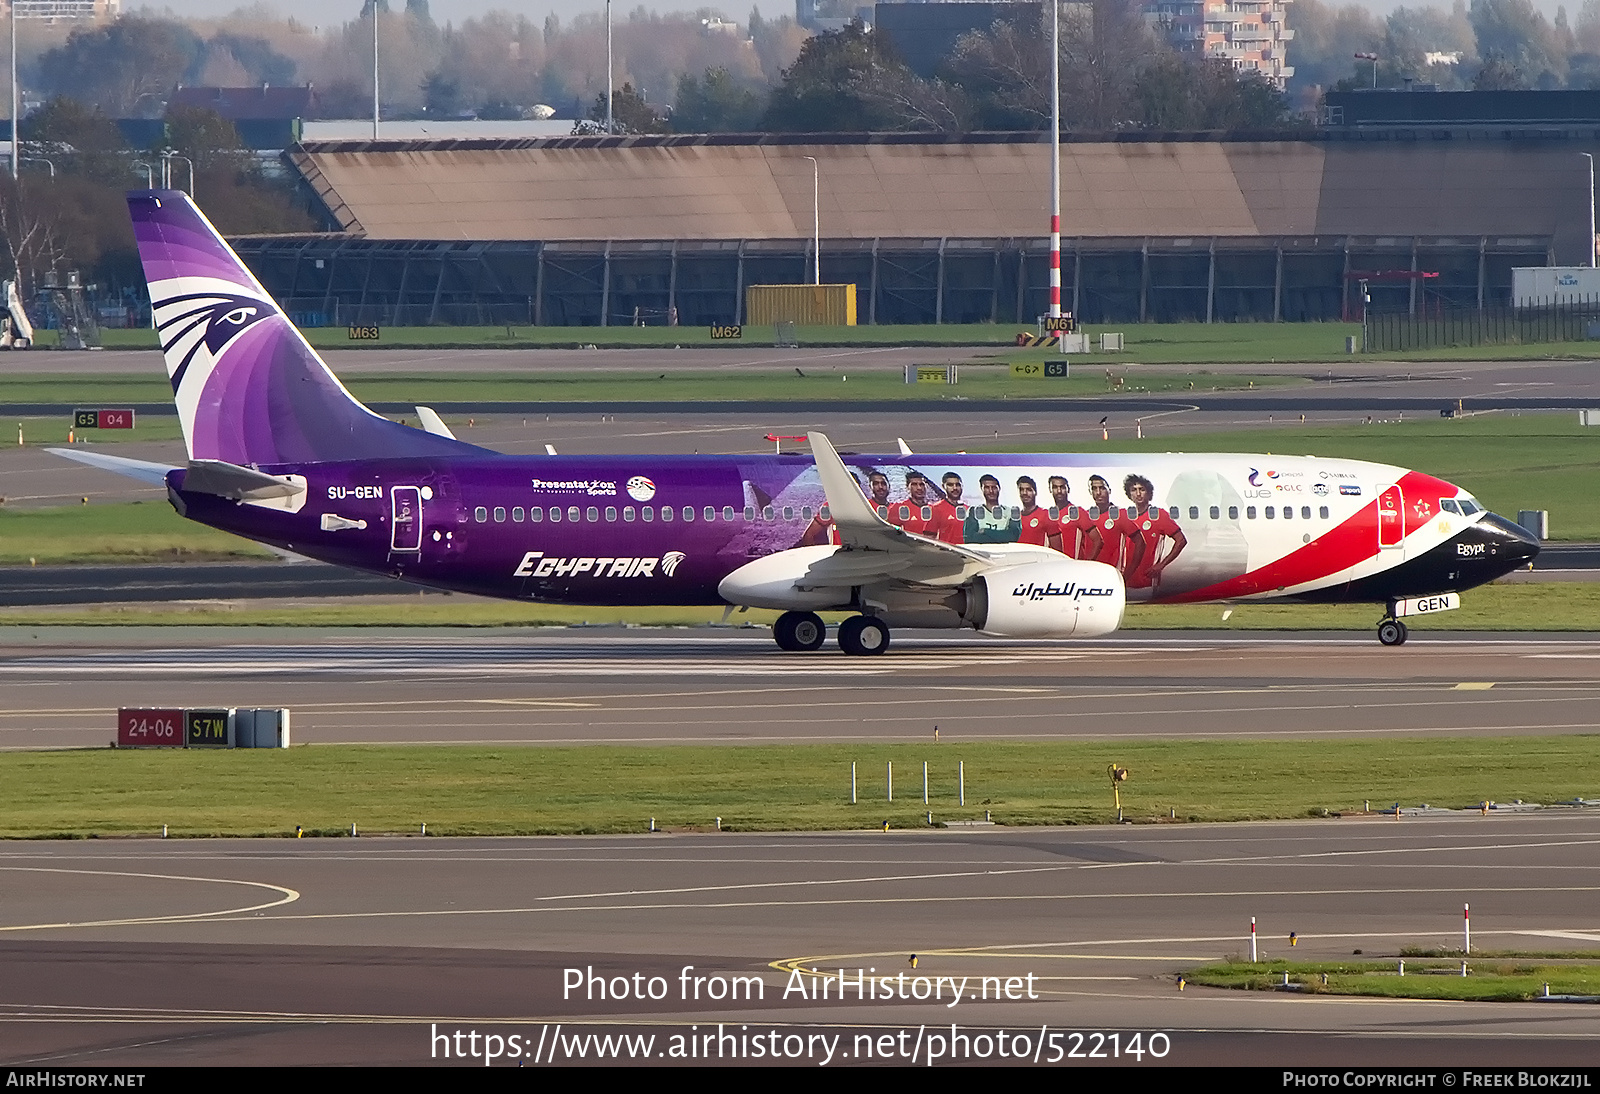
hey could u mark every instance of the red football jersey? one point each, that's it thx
(948, 522)
(1113, 531)
(908, 515)
(819, 525)
(1150, 526)
(1074, 531)
(1037, 527)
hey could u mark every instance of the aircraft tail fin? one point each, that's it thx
(249, 388)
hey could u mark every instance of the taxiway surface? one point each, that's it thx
(359, 951)
(730, 685)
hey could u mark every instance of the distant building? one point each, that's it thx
(266, 117)
(1251, 35)
(826, 15)
(924, 34)
(53, 11)
(430, 129)
(1387, 108)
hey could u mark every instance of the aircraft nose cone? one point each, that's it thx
(1514, 544)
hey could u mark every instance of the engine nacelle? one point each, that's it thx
(774, 581)
(1065, 599)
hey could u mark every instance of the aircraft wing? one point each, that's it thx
(874, 550)
(228, 480)
(203, 476)
(143, 470)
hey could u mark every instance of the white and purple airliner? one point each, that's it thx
(1034, 546)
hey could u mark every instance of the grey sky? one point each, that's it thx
(320, 12)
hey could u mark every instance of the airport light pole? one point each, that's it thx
(816, 218)
(610, 94)
(374, 69)
(166, 172)
(14, 111)
(1055, 159)
(1591, 207)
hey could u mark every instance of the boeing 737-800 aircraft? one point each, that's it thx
(1037, 546)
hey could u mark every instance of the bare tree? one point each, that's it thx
(30, 231)
(914, 103)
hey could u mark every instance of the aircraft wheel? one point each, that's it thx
(1392, 632)
(862, 635)
(799, 631)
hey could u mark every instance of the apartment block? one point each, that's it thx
(1251, 35)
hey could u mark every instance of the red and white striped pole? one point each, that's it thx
(1252, 940)
(1466, 928)
(1055, 159)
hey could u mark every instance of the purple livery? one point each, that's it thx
(1047, 545)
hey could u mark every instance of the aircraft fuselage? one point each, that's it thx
(667, 530)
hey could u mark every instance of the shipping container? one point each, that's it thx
(805, 305)
(1543, 286)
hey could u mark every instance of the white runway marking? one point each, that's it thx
(287, 896)
(844, 902)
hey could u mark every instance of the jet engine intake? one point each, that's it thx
(1066, 599)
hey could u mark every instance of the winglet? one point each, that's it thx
(432, 423)
(905, 449)
(846, 503)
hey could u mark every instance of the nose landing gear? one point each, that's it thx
(1391, 632)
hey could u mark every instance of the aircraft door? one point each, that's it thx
(1391, 519)
(406, 527)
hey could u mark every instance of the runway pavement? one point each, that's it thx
(566, 686)
(137, 953)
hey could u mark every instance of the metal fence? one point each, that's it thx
(1544, 321)
(457, 311)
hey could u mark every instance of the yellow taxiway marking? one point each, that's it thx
(1475, 686)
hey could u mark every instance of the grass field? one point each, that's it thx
(821, 384)
(139, 531)
(1198, 342)
(471, 789)
(53, 430)
(1488, 979)
(1551, 607)
(1189, 343)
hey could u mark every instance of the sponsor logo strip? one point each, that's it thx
(1351, 543)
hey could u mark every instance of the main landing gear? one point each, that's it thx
(799, 631)
(860, 635)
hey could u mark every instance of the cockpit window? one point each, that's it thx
(1449, 506)
(1469, 507)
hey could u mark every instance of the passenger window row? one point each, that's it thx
(646, 514)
